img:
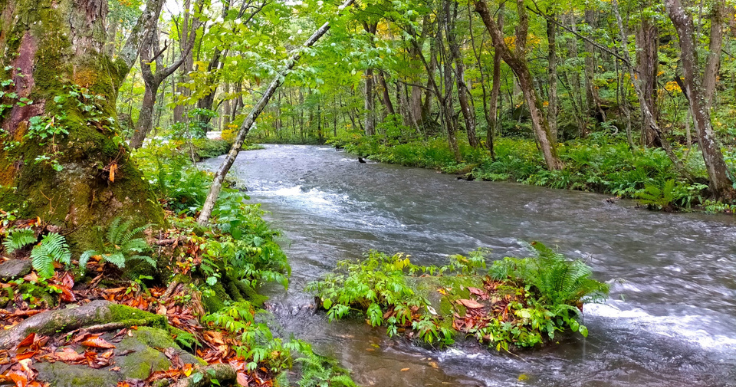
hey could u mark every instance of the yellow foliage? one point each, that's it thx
(672, 86)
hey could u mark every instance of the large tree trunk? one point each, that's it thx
(186, 68)
(713, 63)
(552, 76)
(145, 117)
(517, 61)
(447, 100)
(720, 182)
(647, 63)
(591, 92)
(149, 49)
(52, 47)
(385, 96)
(462, 89)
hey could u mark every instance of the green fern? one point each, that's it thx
(53, 248)
(559, 282)
(18, 239)
(655, 196)
(121, 245)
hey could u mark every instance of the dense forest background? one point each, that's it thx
(457, 77)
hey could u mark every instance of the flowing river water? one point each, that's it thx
(670, 321)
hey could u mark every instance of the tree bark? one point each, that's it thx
(517, 61)
(720, 181)
(591, 92)
(385, 96)
(713, 62)
(552, 76)
(52, 48)
(647, 115)
(153, 80)
(369, 99)
(647, 63)
(462, 88)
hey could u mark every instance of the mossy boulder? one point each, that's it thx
(149, 346)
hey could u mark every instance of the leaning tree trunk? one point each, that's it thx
(720, 181)
(82, 176)
(517, 61)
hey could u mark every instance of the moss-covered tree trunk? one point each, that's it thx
(61, 158)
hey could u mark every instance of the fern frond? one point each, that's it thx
(18, 239)
(57, 248)
(84, 258)
(53, 247)
(144, 258)
(113, 229)
(133, 233)
(116, 259)
(42, 262)
(137, 245)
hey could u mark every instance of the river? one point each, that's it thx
(670, 321)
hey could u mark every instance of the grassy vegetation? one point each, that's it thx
(600, 163)
(514, 303)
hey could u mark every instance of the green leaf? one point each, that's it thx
(583, 330)
(327, 303)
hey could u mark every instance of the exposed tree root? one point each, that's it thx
(96, 314)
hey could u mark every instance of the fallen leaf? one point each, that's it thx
(470, 303)
(242, 379)
(27, 341)
(97, 342)
(69, 354)
(404, 369)
(433, 364)
(19, 379)
(26, 355)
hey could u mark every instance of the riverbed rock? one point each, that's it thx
(149, 346)
(14, 268)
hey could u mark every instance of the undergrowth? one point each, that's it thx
(513, 303)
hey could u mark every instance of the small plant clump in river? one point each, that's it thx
(513, 303)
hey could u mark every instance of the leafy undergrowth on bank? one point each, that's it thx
(513, 303)
(198, 284)
(599, 163)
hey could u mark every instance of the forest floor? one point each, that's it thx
(192, 319)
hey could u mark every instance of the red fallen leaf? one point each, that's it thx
(470, 303)
(242, 379)
(69, 354)
(19, 379)
(67, 280)
(27, 341)
(26, 355)
(477, 292)
(97, 342)
(33, 277)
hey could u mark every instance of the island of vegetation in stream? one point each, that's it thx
(513, 303)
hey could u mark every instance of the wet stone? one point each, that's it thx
(14, 268)
(135, 358)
